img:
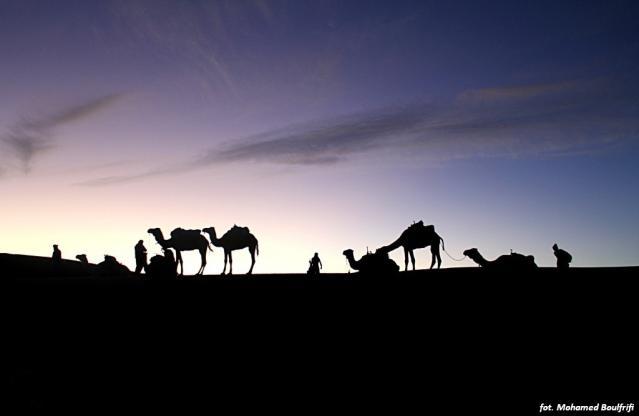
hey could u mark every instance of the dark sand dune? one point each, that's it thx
(21, 267)
(450, 341)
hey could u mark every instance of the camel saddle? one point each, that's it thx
(181, 232)
(420, 224)
(239, 231)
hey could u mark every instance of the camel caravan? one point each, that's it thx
(236, 238)
(416, 236)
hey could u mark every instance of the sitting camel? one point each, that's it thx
(111, 267)
(162, 267)
(512, 261)
(236, 238)
(371, 263)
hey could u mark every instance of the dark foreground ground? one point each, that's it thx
(440, 342)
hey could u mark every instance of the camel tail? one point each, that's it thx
(209, 246)
(442, 240)
(257, 248)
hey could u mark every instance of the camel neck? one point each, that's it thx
(214, 240)
(481, 260)
(352, 262)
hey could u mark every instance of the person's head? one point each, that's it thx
(55, 246)
(555, 247)
(316, 254)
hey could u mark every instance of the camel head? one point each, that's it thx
(354, 264)
(211, 232)
(82, 258)
(159, 237)
(155, 232)
(471, 252)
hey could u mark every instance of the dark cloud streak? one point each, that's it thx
(533, 119)
(32, 136)
(555, 119)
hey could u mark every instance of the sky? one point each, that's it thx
(321, 125)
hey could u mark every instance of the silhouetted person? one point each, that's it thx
(315, 265)
(563, 257)
(56, 257)
(140, 257)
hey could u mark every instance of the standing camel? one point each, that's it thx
(416, 236)
(236, 238)
(183, 240)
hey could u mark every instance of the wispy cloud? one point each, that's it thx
(31, 136)
(516, 92)
(535, 119)
(328, 141)
(563, 118)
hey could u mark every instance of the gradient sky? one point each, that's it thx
(321, 125)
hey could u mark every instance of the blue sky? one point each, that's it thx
(508, 125)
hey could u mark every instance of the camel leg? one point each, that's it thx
(434, 252)
(203, 264)
(180, 263)
(226, 255)
(412, 258)
(252, 251)
(230, 262)
(405, 259)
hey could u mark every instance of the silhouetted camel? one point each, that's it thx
(82, 258)
(371, 263)
(417, 236)
(161, 267)
(183, 240)
(111, 267)
(236, 238)
(512, 261)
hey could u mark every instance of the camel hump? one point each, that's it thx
(181, 232)
(241, 229)
(524, 259)
(419, 225)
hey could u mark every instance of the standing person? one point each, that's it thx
(563, 257)
(56, 257)
(140, 257)
(315, 265)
